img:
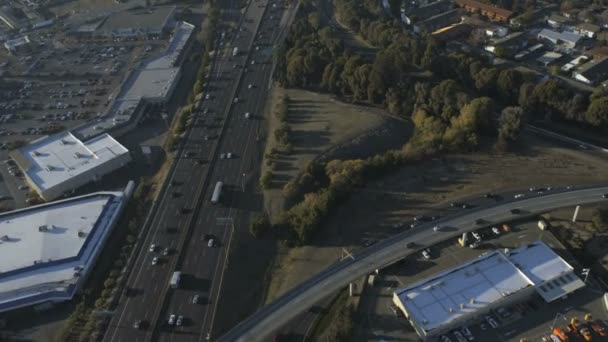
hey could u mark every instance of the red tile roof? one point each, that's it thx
(500, 12)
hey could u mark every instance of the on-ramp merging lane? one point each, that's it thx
(271, 317)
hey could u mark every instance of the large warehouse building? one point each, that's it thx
(48, 250)
(461, 295)
(151, 83)
(60, 163)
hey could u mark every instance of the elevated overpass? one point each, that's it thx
(271, 317)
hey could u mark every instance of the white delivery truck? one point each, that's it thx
(175, 279)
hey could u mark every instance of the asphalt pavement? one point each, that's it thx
(203, 266)
(185, 218)
(271, 317)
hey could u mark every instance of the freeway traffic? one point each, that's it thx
(204, 262)
(271, 317)
(185, 218)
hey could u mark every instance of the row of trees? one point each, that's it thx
(453, 100)
(104, 287)
(322, 187)
(282, 140)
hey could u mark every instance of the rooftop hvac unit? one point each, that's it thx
(35, 153)
(4, 238)
(472, 301)
(462, 306)
(451, 310)
(43, 228)
(81, 234)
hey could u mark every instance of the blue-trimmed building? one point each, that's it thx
(48, 250)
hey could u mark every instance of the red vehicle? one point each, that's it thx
(584, 331)
(561, 334)
(598, 328)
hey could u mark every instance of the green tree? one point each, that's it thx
(599, 219)
(597, 112)
(510, 125)
(266, 180)
(314, 20)
(508, 83)
(260, 226)
(485, 80)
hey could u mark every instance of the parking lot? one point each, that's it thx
(380, 323)
(61, 81)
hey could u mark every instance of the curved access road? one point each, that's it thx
(271, 317)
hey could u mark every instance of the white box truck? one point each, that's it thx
(175, 279)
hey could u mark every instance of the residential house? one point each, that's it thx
(452, 32)
(549, 58)
(496, 31)
(557, 21)
(569, 39)
(602, 19)
(437, 22)
(587, 29)
(20, 44)
(513, 42)
(598, 52)
(491, 12)
(414, 14)
(574, 63)
(592, 72)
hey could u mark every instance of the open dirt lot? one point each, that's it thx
(321, 127)
(415, 189)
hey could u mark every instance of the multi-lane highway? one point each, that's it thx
(271, 317)
(202, 265)
(185, 219)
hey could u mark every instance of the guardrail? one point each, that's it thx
(200, 196)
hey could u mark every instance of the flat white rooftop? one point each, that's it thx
(552, 275)
(45, 249)
(56, 159)
(462, 290)
(153, 80)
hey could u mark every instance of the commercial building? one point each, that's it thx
(592, 72)
(463, 294)
(58, 164)
(491, 12)
(151, 83)
(136, 23)
(48, 250)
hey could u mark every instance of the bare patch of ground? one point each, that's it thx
(322, 127)
(415, 189)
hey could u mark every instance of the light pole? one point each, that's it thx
(585, 272)
(557, 315)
